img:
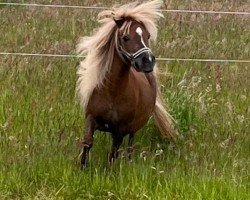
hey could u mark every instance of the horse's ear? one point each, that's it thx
(119, 22)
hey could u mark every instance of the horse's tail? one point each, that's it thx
(163, 120)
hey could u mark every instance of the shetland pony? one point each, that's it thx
(116, 81)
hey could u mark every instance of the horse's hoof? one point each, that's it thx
(83, 166)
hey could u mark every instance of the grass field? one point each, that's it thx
(41, 123)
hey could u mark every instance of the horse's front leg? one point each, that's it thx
(117, 141)
(88, 140)
(130, 146)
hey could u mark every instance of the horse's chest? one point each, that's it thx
(124, 111)
(119, 110)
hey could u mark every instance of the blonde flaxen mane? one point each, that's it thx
(99, 48)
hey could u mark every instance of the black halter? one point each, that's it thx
(132, 56)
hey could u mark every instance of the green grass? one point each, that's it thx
(41, 123)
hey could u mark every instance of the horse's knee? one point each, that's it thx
(87, 142)
(89, 135)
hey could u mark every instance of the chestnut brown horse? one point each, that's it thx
(117, 84)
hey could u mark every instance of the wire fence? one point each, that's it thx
(159, 59)
(101, 8)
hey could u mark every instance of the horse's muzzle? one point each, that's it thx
(145, 62)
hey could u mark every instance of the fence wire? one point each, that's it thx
(159, 58)
(101, 8)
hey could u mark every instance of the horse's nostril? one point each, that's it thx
(146, 59)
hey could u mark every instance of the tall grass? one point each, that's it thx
(41, 124)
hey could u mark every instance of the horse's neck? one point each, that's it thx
(119, 72)
(118, 78)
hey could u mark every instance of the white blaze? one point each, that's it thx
(139, 32)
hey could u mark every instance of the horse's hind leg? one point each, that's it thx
(87, 140)
(117, 141)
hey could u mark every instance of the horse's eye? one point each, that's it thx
(126, 38)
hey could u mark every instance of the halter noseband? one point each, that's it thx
(132, 56)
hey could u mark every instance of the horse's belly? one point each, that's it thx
(114, 119)
(141, 118)
(123, 119)
(120, 127)
(132, 118)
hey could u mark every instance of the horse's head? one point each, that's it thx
(132, 45)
